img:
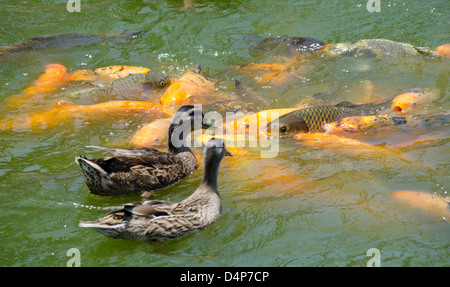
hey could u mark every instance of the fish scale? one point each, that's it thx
(132, 84)
(314, 118)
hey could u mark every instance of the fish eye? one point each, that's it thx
(162, 83)
(283, 129)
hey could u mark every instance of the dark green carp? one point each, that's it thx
(67, 40)
(314, 118)
(284, 45)
(132, 87)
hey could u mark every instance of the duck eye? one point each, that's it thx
(283, 129)
(162, 83)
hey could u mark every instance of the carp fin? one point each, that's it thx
(198, 69)
(345, 104)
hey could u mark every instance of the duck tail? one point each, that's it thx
(98, 225)
(89, 166)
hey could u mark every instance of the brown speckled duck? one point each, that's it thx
(158, 220)
(145, 169)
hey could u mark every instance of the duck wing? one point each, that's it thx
(139, 156)
(151, 208)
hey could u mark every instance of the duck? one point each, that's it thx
(160, 220)
(146, 169)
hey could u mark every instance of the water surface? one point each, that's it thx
(309, 206)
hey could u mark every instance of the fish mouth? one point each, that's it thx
(266, 131)
(170, 80)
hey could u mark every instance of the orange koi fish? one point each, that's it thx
(427, 202)
(47, 82)
(152, 134)
(64, 111)
(362, 123)
(56, 76)
(191, 84)
(443, 50)
(271, 73)
(107, 73)
(348, 146)
(413, 100)
(251, 124)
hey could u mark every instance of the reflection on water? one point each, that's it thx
(323, 201)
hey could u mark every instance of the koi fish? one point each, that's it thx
(314, 118)
(252, 123)
(443, 50)
(152, 134)
(427, 202)
(66, 40)
(375, 48)
(363, 123)
(191, 84)
(348, 146)
(132, 87)
(287, 46)
(107, 73)
(64, 111)
(408, 101)
(57, 76)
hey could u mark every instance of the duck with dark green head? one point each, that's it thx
(146, 169)
(158, 220)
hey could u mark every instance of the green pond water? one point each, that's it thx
(308, 206)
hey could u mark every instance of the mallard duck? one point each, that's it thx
(145, 169)
(158, 220)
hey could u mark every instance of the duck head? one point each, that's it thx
(212, 156)
(193, 115)
(215, 150)
(187, 119)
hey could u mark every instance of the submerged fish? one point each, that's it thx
(66, 40)
(273, 73)
(287, 46)
(189, 85)
(250, 97)
(374, 48)
(350, 147)
(252, 123)
(145, 81)
(429, 203)
(67, 112)
(414, 99)
(443, 50)
(152, 134)
(80, 82)
(363, 123)
(108, 73)
(314, 118)
(131, 87)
